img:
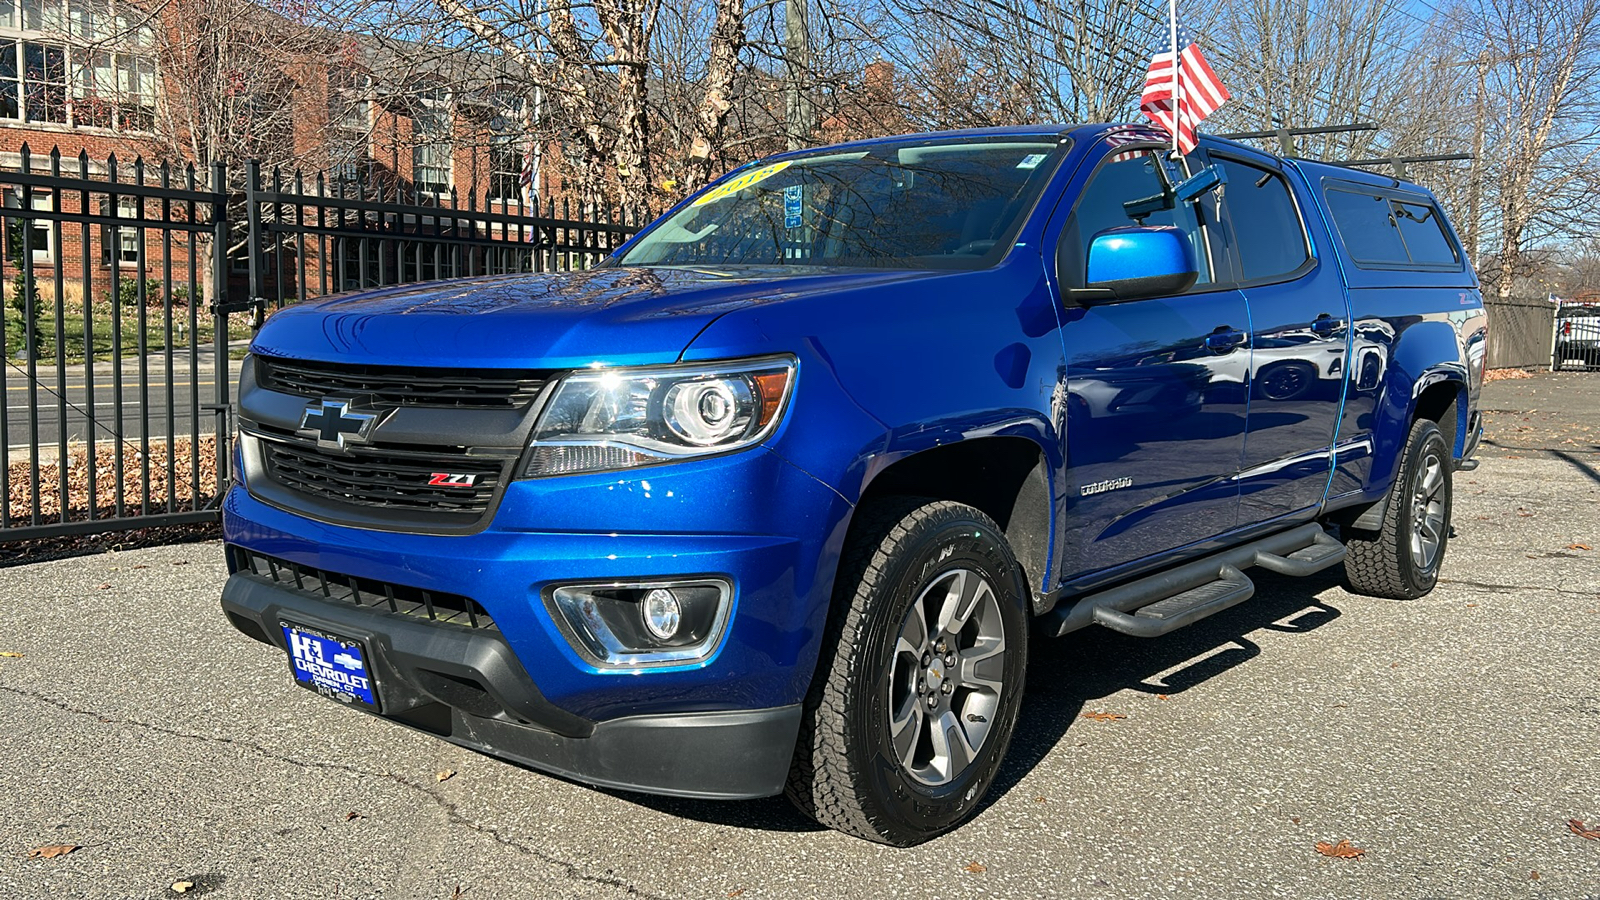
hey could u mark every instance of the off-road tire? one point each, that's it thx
(1380, 563)
(845, 774)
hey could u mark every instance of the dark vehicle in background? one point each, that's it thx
(771, 501)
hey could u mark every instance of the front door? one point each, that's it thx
(1155, 390)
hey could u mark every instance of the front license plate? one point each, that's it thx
(333, 666)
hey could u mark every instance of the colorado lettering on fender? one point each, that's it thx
(1110, 484)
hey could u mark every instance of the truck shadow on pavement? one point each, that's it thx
(1067, 674)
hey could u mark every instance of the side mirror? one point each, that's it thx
(1135, 262)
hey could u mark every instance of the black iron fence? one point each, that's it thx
(129, 290)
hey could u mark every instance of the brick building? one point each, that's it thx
(85, 76)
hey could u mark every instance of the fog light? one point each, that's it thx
(661, 614)
(655, 622)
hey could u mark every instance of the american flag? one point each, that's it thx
(1122, 140)
(1200, 91)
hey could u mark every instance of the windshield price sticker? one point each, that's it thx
(792, 197)
(735, 185)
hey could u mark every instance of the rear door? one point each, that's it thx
(1154, 390)
(1299, 336)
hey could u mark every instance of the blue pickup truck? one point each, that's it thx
(771, 500)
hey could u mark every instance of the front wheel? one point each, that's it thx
(1401, 561)
(917, 693)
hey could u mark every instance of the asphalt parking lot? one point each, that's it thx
(1451, 739)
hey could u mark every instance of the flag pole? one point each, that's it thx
(1177, 101)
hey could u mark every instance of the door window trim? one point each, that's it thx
(1305, 268)
(1209, 287)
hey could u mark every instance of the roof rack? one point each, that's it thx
(1398, 164)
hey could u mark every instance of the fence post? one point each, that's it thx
(1555, 339)
(223, 408)
(256, 248)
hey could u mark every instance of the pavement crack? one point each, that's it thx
(258, 749)
(1515, 588)
(572, 871)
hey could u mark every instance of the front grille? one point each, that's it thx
(333, 587)
(387, 387)
(385, 478)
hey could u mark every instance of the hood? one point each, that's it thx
(611, 316)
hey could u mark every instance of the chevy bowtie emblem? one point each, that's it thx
(335, 425)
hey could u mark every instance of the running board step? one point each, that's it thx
(1168, 600)
(1322, 552)
(1231, 588)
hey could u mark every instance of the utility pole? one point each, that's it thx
(1481, 62)
(797, 62)
(1475, 183)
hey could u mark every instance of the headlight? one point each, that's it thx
(619, 418)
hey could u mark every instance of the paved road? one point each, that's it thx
(82, 406)
(1451, 738)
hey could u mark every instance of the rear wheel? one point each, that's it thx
(916, 696)
(1401, 561)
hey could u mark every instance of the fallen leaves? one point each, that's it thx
(179, 887)
(1102, 716)
(1579, 547)
(10, 654)
(445, 775)
(1341, 850)
(1534, 875)
(52, 851)
(352, 815)
(975, 868)
(1583, 831)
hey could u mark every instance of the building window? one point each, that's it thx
(121, 245)
(84, 66)
(349, 127)
(507, 147)
(42, 238)
(430, 138)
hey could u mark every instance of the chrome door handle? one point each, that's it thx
(1326, 324)
(1224, 339)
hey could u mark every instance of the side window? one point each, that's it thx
(1266, 225)
(1424, 234)
(1367, 227)
(1116, 197)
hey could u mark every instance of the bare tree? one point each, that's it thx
(233, 82)
(1540, 68)
(1299, 63)
(600, 69)
(993, 62)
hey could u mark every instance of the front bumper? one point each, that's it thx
(720, 727)
(466, 686)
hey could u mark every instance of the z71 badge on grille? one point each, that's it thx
(448, 479)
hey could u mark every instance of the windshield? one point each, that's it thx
(910, 205)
